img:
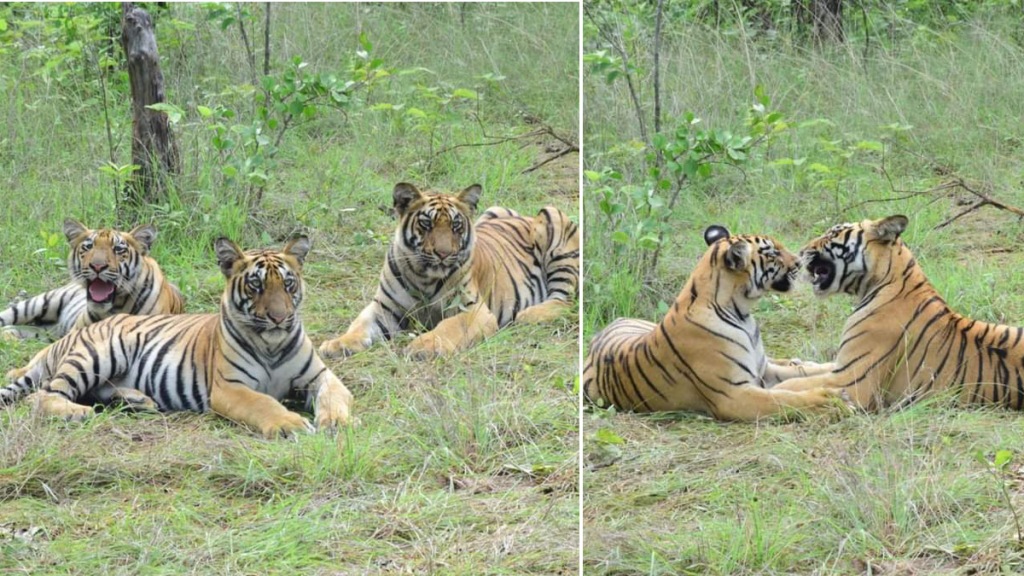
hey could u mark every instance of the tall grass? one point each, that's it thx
(459, 466)
(897, 493)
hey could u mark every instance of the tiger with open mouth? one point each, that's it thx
(111, 271)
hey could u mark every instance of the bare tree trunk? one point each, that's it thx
(153, 147)
(266, 39)
(828, 21)
(250, 55)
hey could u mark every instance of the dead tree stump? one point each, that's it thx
(153, 147)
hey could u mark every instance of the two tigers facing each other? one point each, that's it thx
(463, 281)
(903, 342)
(111, 273)
(238, 362)
(706, 354)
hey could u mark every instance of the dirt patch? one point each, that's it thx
(560, 171)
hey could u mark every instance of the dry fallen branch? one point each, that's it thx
(570, 146)
(955, 182)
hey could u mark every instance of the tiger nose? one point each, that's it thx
(443, 253)
(277, 317)
(98, 266)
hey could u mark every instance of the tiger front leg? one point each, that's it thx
(752, 403)
(246, 406)
(332, 402)
(454, 334)
(52, 404)
(861, 392)
(780, 371)
(361, 334)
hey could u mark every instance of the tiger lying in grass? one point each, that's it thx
(903, 342)
(706, 354)
(461, 280)
(111, 273)
(238, 362)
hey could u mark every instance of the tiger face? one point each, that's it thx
(106, 261)
(435, 228)
(265, 287)
(758, 264)
(841, 260)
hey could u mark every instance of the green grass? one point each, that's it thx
(465, 465)
(893, 493)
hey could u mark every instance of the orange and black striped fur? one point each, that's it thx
(111, 273)
(706, 354)
(238, 362)
(903, 342)
(462, 280)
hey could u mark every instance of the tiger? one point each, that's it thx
(111, 271)
(903, 342)
(706, 354)
(463, 281)
(238, 362)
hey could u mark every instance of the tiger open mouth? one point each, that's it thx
(822, 271)
(100, 291)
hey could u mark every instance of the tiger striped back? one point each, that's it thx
(706, 354)
(111, 273)
(903, 342)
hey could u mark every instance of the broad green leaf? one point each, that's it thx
(760, 95)
(606, 436)
(464, 93)
(620, 237)
(174, 114)
(204, 111)
(1002, 458)
(871, 145)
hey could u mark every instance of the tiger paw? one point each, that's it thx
(15, 373)
(344, 345)
(57, 406)
(542, 313)
(333, 407)
(430, 345)
(285, 424)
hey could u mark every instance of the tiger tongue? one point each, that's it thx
(100, 290)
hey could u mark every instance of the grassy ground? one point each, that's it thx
(898, 493)
(459, 466)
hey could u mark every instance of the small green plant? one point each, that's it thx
(638, 214)
(118, 174)
(998, 468)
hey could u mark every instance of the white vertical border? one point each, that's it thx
(582, 281)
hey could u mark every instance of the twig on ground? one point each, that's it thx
(943, 190)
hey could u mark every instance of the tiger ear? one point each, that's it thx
(73, 229)
(405, 194)
(889, 229)
(298, 248)
(471, 196)
(714, 233)
(145, 234)
(737, 257)
(227, 254)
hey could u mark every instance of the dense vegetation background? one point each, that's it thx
(767, 122)
(461, 466)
